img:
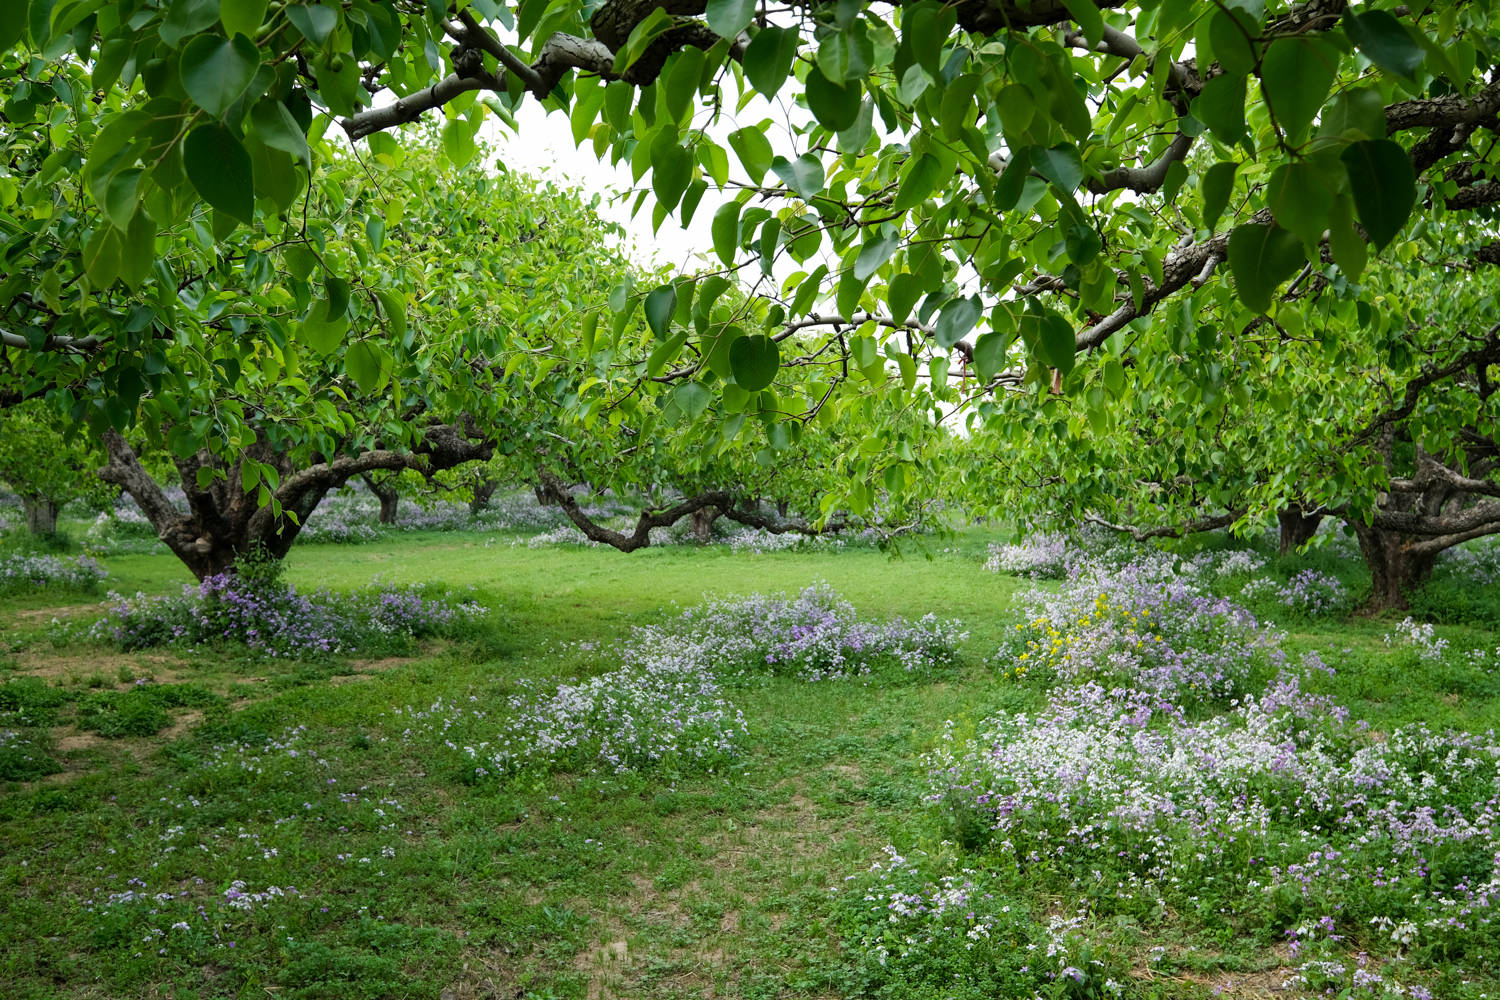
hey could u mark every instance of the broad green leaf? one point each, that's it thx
(315, 21)
(101, 256)
(873, 254)
(754, 151)
(1356, 113)
(768, 58)
(1114, 376)
(1295, 76)
(323, 329)
(1060, 165)
(754, 360)
(122, 197)
(1299, 196)
(395, 312)
(692, 398)
(955, 320)
(1221, 106)
(220, 171)
(216, 71)
(681, 83)
(1384, 41)
(458, 142)
(1089, 20)
(804, 175)
(1218, 185)
(835, 106)
(368, 364)
(1384, 186)
(242, 17)
(989, 354)
(671, 168)
(1229, 37)
(727, 18)
(646, 31)
(661, 302)
(1261, 258)
(665, 352)
(726, 231)
(1350, 251)
(1056, 345)
(919, 179)
(275, 126)
(904, 292)
(14, 17)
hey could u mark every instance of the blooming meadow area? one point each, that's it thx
(1057, 766)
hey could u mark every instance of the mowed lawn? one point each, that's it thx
(281, 838)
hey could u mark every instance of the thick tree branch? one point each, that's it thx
(1169, 530)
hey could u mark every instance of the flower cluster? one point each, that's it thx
(1420, 637)
(277, 621)
(20, 573)
(1040, 557)
(665, 705)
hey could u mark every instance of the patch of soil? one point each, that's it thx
(361, 670)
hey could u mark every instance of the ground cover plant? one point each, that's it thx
(807, 802)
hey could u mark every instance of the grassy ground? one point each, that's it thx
(395, 877)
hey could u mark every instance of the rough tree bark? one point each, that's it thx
(390, 498)
(41, 515)
(1399, 563)
(224, 522)
(484, 491)
(702, 521)
(1298, 526)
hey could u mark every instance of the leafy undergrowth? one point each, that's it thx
(288, 835)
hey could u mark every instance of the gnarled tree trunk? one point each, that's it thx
(390, 499)
(41, 515)
(224, 521)
(1398, 563)
(484, 490)
(1297, 526)
(702, 521)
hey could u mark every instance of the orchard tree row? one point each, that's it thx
(1171, 262)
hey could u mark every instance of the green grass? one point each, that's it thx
(572, 885)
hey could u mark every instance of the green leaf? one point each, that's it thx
(275, 126)
(646, 31)
(1384, 41)
(1384, 186)
(220, 171)
(665, 352)
(989, 354)
(727, 18)
(919, 179)
(904, 292)
(768, 59)
(955, 320)
(216, 71)
(323, 329)
(1218, 185)
(1261, 258)
(1295, 76)
(1299, 195)
(681, 83)
(726, 231)
(1082, 243)
(1061, 165)
(458, 142)
(1350, 251)
(692, 398)
(1221, 106)
(368, 364)
(873, 254)
(1354, 114)
(671, 167)
(803, 175)
(242, 17)
(315, 21)
(101, 256)
(1088, 18)
(14, 17)
(754, 151)
(122, 197)
(661, 302)
(1114, 376)
(395, 312)
(835, 106)
(1056, 345)
(1227, 36)
(754, 360)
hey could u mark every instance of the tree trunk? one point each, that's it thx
(1297, 527)
(41, 515)
(484, 489)
(386, 492)
(1395, 570)
(702, 521)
